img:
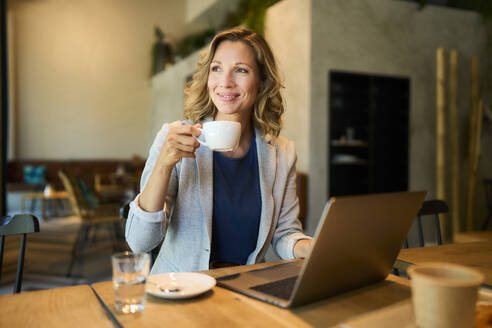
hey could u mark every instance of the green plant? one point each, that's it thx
(249, 13)
(193, 42)
(484, 7)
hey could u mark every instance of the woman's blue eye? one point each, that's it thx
(242, 70)
(215, 68)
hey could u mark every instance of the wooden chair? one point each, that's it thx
(91, 218)
(20, 224)
(430, 208)
(487, 183)
(124, 211)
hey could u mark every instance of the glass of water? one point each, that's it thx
(130, 272)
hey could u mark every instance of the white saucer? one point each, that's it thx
(190, 284)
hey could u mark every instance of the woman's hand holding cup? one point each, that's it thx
(180, 143)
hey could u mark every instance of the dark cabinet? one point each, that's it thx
(368, 137)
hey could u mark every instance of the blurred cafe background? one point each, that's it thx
(381, 95)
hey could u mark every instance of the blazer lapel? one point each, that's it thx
(267, 164)
(204, 160)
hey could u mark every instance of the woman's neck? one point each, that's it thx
(246, 133)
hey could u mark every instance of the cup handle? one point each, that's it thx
(201, 142)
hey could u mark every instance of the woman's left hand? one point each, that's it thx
(302, 248)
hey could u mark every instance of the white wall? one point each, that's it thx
(82, 75)
(377, 37)
(168, 94)
(194, 8)
(206, 14)
(293, 55)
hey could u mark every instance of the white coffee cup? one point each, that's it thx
(221, 135)
(444, 294)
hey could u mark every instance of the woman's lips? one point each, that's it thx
(227, 97)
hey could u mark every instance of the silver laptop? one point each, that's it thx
(356, 243)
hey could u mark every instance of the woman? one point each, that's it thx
(222, 208)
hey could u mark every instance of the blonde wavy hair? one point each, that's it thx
(268, 107)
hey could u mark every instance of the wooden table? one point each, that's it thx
(471, 236)
(75, 306)
(223, 308)
(476, 254)
(380, 305)
(54, 196)
(401, 313)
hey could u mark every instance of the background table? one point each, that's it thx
(55, 197)
(476, 254)
(75, 306)
(223, 308)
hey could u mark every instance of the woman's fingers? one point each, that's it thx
(185, 135)
(186, 147)
(186, 129)
(180, 142)
(187, 154)
(180, 139)
(171, 153)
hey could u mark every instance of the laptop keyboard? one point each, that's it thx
(280, 288)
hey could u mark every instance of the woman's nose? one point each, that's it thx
(227, 80)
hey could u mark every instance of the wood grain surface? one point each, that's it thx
(75, 306)
(476, 254)
(402, 313)
(223, 308)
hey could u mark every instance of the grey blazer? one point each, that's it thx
(186, 221)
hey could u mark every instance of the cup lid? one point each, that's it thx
(444, 273)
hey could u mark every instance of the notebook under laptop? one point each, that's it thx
(356, 243)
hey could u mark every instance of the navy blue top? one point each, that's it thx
(236, 206)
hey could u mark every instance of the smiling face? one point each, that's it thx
(234, 79)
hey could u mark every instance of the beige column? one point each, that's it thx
(473, 152)
(441, 135)
(454, 140)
